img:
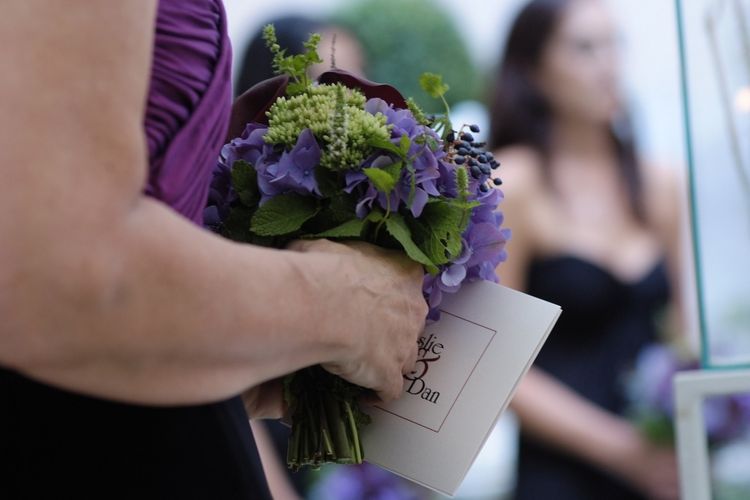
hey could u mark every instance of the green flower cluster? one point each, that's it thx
(337, 118)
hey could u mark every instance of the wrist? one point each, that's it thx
(324, 283)
(625, 444)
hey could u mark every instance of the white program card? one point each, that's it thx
(470, 363)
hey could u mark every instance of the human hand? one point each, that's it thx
(381, 312)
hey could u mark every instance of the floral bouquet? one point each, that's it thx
(651, 399)
(348, 159)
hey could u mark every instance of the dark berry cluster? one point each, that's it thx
(463, 149)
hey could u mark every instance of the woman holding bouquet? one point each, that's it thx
(129, 332)
(594, 231)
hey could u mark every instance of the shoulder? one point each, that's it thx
(524, 198)
(521, 172)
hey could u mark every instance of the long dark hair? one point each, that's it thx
(521, 113)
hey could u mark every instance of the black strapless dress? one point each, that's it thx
(59, 445)
(604, 324)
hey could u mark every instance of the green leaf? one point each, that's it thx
(341, 208)
(349, 229)
(445, 215)
(413, 186)
(396, 227)
(380, 179)
(404, 145)
(245, 183)
(236, 227)
(384, 178)
(328, 181)
(295, 66)
(374, 216)
(283, 214)
(433, 85)
(443, 223)
(380, 143)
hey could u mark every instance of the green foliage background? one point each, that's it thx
(403, 39)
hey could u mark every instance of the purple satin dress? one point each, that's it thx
(188, 104)
(57, 444)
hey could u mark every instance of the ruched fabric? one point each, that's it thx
(188, 104)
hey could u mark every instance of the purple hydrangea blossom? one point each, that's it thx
(364, 482)
(250, 147)
(425, 161)
(293, 171)
(282, 172)
(483, 249)
(220, 197)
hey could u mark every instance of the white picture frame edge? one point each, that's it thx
(691, 389)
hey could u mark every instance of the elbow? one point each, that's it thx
(51, 298)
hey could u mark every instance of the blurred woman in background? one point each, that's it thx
(596, 231)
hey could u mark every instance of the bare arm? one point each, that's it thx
(105, 291)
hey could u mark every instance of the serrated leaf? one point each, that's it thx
(380, 143)
(433, 85)
(384, 178)
(380, 179)
(444, 223)
(396, 227)
(448, 217)
(422, 236)
(245, 183)
(283, 214)
(349, 229)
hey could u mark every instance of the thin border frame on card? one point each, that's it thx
(468, 378)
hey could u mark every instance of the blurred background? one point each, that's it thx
(395, 41)
(649, 29)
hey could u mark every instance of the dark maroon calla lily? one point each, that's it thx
(252, 105)
(371, 89)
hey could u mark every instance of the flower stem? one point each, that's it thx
(355, 434)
